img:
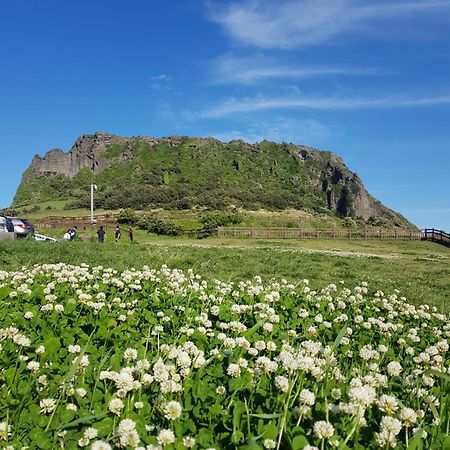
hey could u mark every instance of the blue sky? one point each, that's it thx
(367, 80)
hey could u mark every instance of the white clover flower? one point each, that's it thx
(221, 390)
(100, 445)
(130, 354)
(74, 349)
(323, 430)
(266, 364)
(269, 443)
(83, 441)
(362, 396)
(71, 407)
(306, 397)
(125, 426)
(33, 366)
(22, 340)
(243, 363)
(172, 410)
(90, 433)
(282, 383)
(234, 370)
(188, 441)
(408, 416)
(388, 404)
(5, 430)
(40, 350)
(28, 315)
(166, 437)
(389, 429)
(394, 368)
(138, 405)
(115, 406)
(47, 405)
(336, 393)
(81, 392)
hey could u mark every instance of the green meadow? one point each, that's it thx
(419, 270)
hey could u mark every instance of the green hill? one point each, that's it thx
(184, 173)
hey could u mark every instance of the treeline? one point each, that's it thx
(209, 221)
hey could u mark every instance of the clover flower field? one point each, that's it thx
(144, 359)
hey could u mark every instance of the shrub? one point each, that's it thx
(160, 226)
(128, 217)
(220, 219)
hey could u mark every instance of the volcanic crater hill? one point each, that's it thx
(183, 172)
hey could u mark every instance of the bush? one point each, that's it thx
(128, 217)
(159, 226)
(220, 219)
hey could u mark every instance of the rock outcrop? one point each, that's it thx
(269, 173)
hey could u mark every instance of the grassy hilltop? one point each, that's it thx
(180, 173)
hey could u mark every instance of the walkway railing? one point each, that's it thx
(438, 236)
(299, 233)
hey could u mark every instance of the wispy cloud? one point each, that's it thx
(261, 103)
(277, 129)
(161, 82)
(161, 77)
(300, 23)
(248, 70)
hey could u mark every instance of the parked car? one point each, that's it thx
(22, 227)
(6, 225)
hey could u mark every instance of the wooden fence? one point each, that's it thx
(439, 236)
(298, 233)
(108, 222)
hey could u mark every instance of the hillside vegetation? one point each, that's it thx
(187, 173)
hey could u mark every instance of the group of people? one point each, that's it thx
(101, 233)
(71, 234)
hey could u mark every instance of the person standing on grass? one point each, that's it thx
(131, 234)
(101, 234)
(117, 233)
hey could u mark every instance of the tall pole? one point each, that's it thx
(92, 204)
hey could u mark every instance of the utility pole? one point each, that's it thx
(93, 187)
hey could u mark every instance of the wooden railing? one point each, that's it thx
(439, 236)
(299, 233)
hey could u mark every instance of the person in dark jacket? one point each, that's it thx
(117, 233)
(101, 234)
(131, 234)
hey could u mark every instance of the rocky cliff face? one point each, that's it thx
(298, 173)
(86, 152)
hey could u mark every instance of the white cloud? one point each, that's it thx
(299, 23)
(161, 77)
(277, 129)
(261, 103)
(161, 82)
(247, 70)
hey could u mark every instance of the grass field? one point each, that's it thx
(420, 270)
